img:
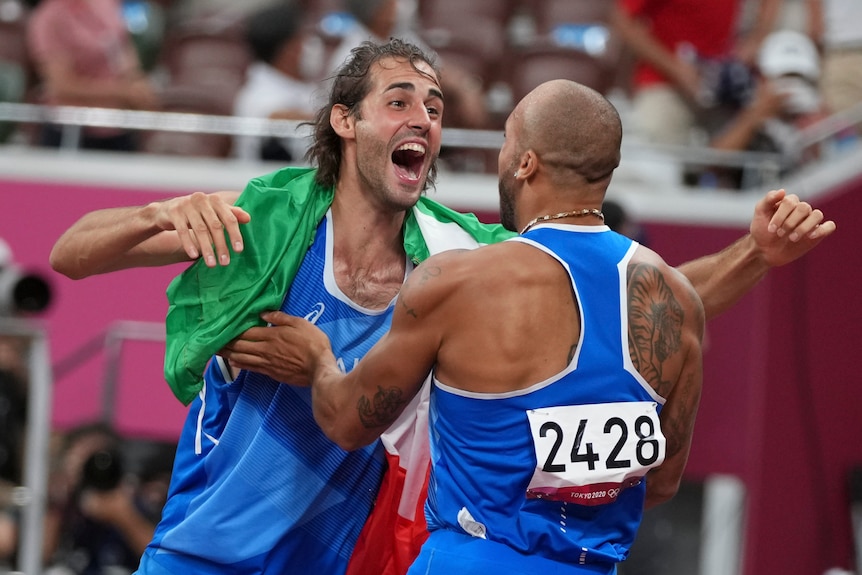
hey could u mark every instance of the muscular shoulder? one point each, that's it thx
(666, 320)
(648, 273)
(434, 280)
(458, 276)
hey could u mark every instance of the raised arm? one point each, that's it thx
(160, 233)
(782, 230)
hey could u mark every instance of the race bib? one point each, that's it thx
(587, 454)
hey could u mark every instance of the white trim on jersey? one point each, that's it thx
(628, 365)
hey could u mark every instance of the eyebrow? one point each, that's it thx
(410, 87)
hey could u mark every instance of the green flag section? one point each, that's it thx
(208, 307)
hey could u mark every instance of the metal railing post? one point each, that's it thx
(32, 497)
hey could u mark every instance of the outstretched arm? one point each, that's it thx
(160, 233)
(352, 409)
(782, 230)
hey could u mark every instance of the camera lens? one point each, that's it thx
(102, 471)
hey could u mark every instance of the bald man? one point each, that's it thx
(566, 364)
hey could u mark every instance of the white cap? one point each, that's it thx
(789, 52)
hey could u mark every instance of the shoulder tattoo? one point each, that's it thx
(420, 277)
(655, 324)
(382, 408)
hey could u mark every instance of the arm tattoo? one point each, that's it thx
(655, 324)
(426, 274)
(382, 408)
(677, 429)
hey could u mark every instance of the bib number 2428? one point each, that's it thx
(585, 450)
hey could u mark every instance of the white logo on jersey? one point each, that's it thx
(470, 525)
(340, 363)
(315, 314)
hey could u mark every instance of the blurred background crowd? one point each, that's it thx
(105, 491)
(723, 75)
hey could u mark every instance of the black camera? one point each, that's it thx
(102, 471)
(20, 291)
(726, 82)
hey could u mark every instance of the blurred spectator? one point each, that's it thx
(8, 529)
(13, 417)
(786, 100)
(182, 12)
(146, 22)
(13, 408)
(377, 20)
(95, 524)
(834, 27)
(692, 69)
(281, 81)
(84, 56)
(618, 218)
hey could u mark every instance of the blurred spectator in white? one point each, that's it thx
(835, 27)
(693, 68)
(378, 20)
(84, 56)
(281, 82)
(786, 100)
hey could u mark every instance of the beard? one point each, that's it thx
(374, 168)
(506, 185)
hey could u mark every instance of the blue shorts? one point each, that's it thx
(447, 552)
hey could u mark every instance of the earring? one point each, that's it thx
(517, 173)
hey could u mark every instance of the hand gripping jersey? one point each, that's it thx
(257, 487)
(549, 479)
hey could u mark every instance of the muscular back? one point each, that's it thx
(505, 317)
(523, 297)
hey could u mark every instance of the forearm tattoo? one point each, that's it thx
(382, 408)
(678, 427)
(655, 324)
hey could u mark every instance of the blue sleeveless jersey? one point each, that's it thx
(256, 486)
(549, 478)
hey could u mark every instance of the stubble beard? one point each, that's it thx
(374, 168)
(507, 202)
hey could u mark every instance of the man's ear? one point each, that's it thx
(342, 121)
(529, 164)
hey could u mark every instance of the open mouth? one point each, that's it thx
(408, 160)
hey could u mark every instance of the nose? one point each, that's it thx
(420, 119)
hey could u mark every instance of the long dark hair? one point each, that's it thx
(350, 85)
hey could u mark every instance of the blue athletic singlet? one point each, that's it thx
(256, 485)
(549, 479)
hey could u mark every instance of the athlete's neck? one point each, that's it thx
(369, 258)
